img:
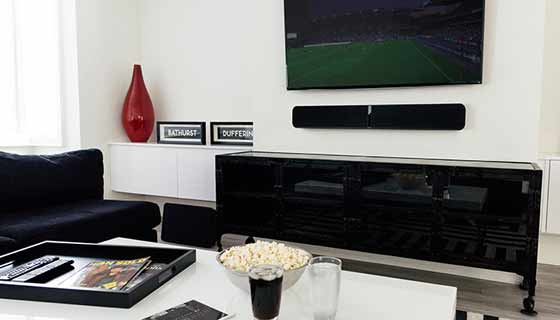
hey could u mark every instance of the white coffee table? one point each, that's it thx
(362, 297)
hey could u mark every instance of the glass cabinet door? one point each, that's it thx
(249, 179)
(396, 206)
(251, 217)
(317, 181)
(397, 188)
(321, 225)
(313, 202)
(248, 199)
(485, 216)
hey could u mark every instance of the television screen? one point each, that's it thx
(383, 43)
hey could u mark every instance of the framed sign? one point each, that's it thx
(232, 133)
(181, 132)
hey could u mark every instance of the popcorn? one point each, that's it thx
(262, 252)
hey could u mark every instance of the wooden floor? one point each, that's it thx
(482, 296)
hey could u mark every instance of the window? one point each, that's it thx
(30, 76)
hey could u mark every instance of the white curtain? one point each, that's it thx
(30, 75)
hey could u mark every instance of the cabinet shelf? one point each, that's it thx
(482, 217)
(313, 200)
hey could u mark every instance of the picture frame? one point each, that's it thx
(176, 132)
(232, 133)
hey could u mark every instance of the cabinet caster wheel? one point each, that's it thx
(529, 307)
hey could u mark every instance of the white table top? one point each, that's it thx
(362, 297)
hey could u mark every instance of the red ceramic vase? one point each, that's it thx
(138, 111)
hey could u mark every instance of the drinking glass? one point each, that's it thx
(266, 291)
(325, 286)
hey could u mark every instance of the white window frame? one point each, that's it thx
(37, 51)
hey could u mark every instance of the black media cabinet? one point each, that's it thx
(470, 213)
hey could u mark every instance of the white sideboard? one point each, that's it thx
(174, 171)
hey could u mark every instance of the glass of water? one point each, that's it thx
(325, 286)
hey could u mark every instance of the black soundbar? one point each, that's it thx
(401, 117)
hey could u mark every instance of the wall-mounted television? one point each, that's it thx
(383, 43)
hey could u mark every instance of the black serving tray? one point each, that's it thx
(82, 253)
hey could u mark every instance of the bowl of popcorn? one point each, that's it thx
(236, 261)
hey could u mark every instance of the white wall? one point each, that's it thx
(550, 117)
(225, 60)
(108, 46)
(198, 58)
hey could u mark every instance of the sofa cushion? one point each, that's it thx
(83, 221)
(37, 181)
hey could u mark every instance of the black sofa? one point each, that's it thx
(60, 197)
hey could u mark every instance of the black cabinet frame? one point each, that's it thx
(344, 217)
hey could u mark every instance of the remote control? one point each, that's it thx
(45, 272)
(25, 268)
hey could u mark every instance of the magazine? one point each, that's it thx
(150, 270)
(108, 274)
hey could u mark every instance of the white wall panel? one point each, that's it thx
(553, 208)
(140, 170)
